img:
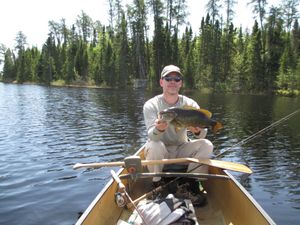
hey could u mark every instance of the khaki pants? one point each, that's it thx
(200, 149)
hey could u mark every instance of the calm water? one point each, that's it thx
(44, 131)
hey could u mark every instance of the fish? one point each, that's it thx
(183, 117)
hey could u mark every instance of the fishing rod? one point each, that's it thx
(251, 137)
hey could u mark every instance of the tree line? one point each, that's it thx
(218, 56)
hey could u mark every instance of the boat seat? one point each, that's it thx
(175, 168)
(179, 168)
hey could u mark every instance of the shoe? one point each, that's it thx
(197, 199)
(156, 184)
(193, 185)
(156, 190)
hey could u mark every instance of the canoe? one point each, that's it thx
(228, 202)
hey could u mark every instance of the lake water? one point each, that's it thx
(45, 130)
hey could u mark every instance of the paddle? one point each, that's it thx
(210, 162)
(170, 174)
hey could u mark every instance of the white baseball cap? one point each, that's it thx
(169, 69)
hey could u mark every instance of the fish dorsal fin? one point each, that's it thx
(204, 111)
(189, 107)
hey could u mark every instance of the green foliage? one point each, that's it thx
(45, 68)
(256, 68)
(9, 68)
(220, 57)
(274, 47)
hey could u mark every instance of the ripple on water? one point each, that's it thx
(45, 131)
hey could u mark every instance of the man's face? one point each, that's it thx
(171, 83)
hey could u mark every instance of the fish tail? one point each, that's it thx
(217, 127)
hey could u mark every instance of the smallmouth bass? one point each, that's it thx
(190, 116)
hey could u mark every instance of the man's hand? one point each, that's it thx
(161, 125)
(195, 130)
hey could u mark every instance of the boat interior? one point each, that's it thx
(206, 215)
(228, 203)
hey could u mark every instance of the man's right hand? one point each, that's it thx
(161, 125)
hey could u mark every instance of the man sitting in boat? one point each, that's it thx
(164, 139)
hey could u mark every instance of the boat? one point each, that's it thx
(228, 202)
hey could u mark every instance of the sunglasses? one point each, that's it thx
(176, 79)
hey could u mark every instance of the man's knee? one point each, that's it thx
(208, 146)
(155, 150)
(204, 148)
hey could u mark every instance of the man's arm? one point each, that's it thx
(155, 126)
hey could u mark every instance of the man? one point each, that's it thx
(163, 140)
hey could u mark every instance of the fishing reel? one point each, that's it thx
(133, 165)
(120, 199)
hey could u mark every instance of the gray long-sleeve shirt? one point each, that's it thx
(169, 137)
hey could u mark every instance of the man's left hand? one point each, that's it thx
(195, 130)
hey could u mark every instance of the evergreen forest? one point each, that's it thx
(145, 35)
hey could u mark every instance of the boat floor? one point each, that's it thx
(206, 215)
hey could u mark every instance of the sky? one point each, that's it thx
(32, 16)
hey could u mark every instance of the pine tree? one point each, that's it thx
(28, 66)
(256, 68)
(158, 39)
(124, 53)
(81, 60)
(84, 24)
(204, 70)
(274, 46)
(187, 57)
(109, 65)
(9, 68)
(20, 63)
(295, 41)
(239, 79)
(138, 18)
(228, 51)
(175, 49)
(213, 7)
(71, 53)
(45, 68)
(216, 58)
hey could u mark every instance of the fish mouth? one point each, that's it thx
(167, 115)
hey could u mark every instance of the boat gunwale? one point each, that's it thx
(237, 183)
(250, 198)
(101, 193)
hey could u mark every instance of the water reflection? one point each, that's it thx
(273, 155)
(44, 131)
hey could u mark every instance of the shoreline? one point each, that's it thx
(82, 84)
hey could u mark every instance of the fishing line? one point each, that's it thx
(251, 137)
